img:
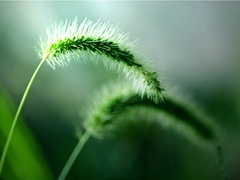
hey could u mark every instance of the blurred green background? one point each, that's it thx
(193, 45)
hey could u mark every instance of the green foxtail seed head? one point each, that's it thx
(99, 43)
(112, 101)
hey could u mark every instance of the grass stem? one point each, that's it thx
(5, 150)
(74, 154)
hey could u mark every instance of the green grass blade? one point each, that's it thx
(25, 159)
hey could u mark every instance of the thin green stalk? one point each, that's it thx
(17, 115)
(74, 154)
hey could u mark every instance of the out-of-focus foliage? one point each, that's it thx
(24, 159)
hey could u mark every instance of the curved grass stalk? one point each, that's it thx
(99, 43)
(95, 42)
(115, 100)
(17, 115)
(189, 121)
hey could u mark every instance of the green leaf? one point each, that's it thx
(25, 159)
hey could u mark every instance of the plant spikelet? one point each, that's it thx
(99, 43)
(114, 100)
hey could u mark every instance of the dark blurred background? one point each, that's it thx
(193, 45)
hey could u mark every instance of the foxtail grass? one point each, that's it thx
(99, 43)
(95, 42)
(116, 99)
